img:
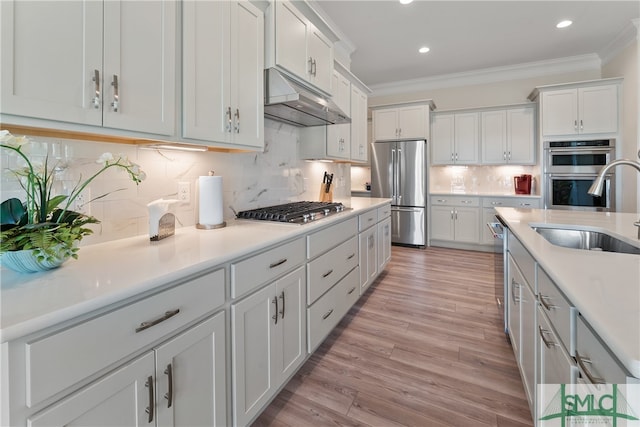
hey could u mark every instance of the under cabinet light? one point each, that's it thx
(564, 24)
(423, 49)
(174, 147)
(405, 1)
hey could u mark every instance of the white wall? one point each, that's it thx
(251, 180)
(625, 65)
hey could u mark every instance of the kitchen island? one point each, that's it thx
(604, 287)
(240, 308)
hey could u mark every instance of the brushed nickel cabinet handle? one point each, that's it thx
(545, 304)
(227, 115)
(277, 263)
(282, 311)
(351, 256)
(116, 94)
(310, 62)
(275, 316)
(327, 273)
(237, 121)
(150, 323)
(582, 361)
(169, 395)
(95, 101)
(514, 285)
(351, 290)
(151, 408)
(327, 314)
(547, 343)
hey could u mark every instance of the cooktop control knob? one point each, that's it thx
(326, 211)
(305, 218)
(312, 215)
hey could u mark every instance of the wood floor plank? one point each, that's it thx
(425, 346)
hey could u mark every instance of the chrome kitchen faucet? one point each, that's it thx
(596, 187)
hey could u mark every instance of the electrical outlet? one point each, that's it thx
(81, 203)
(184, 192)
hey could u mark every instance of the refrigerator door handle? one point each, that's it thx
(398, 176)
(393, 177)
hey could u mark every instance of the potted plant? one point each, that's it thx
(42, 232)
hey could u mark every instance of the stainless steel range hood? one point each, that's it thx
(289, 101)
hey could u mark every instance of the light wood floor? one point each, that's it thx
(423, 347)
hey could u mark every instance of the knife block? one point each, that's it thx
(324, 196)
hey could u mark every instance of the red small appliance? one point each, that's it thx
(522, 184)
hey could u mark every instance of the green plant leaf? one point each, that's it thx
(12, 211)
(55, 201)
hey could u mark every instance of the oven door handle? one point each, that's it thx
(580, 151)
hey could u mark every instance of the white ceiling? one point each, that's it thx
(471, 35)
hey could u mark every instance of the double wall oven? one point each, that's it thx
(569, 170)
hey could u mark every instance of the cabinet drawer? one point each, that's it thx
(561, 314)
(262, 268)
(325, 314)
(511, 202)
(384, 212)
(601, 363)
(455, 201)
(368, 219)
(58, 361)
(524, 260)
(323, 240)
(326, 270)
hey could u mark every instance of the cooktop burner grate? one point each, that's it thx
(295, 212)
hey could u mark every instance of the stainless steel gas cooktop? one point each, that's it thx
(295, 212)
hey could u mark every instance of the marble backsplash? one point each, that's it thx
(496, 180)
(251, 180)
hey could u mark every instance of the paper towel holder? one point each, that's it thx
(211, 226)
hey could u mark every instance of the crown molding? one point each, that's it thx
(627, 35)
(491, 75)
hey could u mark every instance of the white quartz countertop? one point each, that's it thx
(482, 194)
(603, 286)
(111, 272)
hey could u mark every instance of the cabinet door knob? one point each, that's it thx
(116, 96)
(151, 408)
(95, 101)
(282, 297)
(169, 395)
(275, 316)
(228, 118)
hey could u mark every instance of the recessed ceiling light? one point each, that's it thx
(405, 1)
(564, 24)
(423, 49)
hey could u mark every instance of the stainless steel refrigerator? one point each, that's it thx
(399, 172)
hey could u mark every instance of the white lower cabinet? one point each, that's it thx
(384, 243)
(165, 387)
(451, 222)
(521, 323)
(268, 342)
(368, 258)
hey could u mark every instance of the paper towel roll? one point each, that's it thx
(210, 200)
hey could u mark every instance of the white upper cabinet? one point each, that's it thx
(580, 110)
(223, 61)
(359, 147)
(299, 47)
(140, 66)
(117, 71)
(455, 138)
(508, 136)
(401, 122)
(35, 82)
(341, 90)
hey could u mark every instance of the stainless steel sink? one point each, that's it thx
(586, 239)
